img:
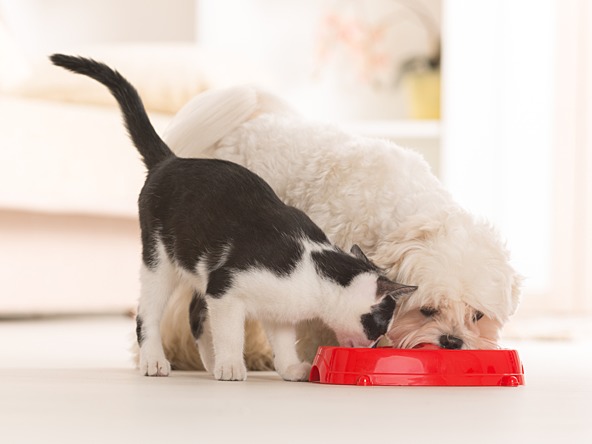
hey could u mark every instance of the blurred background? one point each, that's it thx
(496, 94)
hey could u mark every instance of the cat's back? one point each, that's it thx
(178, 171)
(220, 197)
(183, 181)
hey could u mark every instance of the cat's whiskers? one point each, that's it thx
(375, 343)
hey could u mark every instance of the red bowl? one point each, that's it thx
(425, 365)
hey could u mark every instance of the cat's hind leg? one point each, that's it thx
(282, 338)
(157, 285)
(200, 329)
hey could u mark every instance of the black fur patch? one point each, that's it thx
(139, 332)
(198, 312)
(219, 282)
(377, 321)
(213, 209)
(149, 254)
(339, 266)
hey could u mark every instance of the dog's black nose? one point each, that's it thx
(450, 342)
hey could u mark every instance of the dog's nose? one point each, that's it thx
(450, 342)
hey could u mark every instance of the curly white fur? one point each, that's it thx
(371, 192)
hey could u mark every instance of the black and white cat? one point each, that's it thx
(219, 229)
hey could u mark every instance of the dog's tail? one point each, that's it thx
(213, 114)
(151, 147)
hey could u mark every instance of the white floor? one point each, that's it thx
(72, 381)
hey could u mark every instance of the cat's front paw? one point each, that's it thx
(154, 365)
(230, 371)
(296, 372)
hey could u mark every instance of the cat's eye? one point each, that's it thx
(428, 312)
(478, 315)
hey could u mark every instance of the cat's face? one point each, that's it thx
(370, 316)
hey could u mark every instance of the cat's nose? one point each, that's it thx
(450, 342)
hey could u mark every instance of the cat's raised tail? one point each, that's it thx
(151, 147)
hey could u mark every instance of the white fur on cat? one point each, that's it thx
(278, 302)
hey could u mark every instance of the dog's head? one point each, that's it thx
(467, 289)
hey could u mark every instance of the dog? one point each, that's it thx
(364, 191)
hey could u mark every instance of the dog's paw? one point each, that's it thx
(230, 371)
(154, 365)
(259, 361)
(296, 372)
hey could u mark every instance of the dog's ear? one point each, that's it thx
(357, 252)
(407, 241)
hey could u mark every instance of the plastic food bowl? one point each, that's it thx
(424, 365)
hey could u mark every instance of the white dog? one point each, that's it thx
(358, 190)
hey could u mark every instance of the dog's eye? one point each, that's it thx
(478, 315)
(428, 311)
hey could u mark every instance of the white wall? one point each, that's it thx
(572, 161)
(517, 146)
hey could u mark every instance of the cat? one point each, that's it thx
(218, 229)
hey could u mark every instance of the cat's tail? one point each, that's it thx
(151, 147)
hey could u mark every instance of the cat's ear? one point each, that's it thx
(377, 322)
(386, 287)
(357, 252)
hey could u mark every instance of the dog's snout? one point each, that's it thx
(450, 342)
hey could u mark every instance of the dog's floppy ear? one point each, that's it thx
(393, 250)
(357, 252)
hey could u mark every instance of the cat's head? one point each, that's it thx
(367, 304)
